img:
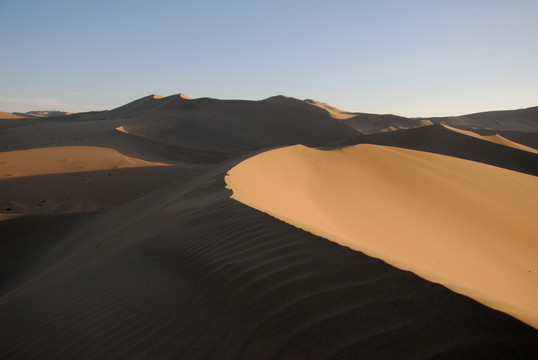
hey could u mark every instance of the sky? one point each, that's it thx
(413, 58)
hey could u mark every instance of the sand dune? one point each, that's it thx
(441, 140)
(156, 103)
(523, 120)
(119, 256)
(142, 104)
(466, 225)
(5, 115)
(186, 272)
(233, 126)
(373, 123)
(76, 192)
(514, 120)
(44, 113)
(498, 139)
(529, 139)
(334, 112)
(63, 160)
(75, 179)
(362, 122)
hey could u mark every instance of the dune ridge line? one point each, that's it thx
(466, 225)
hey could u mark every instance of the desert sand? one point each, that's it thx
(469, 226)
(66, 159)
(121, 240)
(498, 139)
(6, 115)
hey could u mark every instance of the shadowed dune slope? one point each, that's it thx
(31, 244)
(529, 139)
(153, 103)
(524, 120)
(494, 138)
(374, 123)
(520, 120)
(362, 122)
(236, 126)
(77, 192)
(441, 140)
(186, 272)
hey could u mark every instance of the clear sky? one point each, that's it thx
(412, 58)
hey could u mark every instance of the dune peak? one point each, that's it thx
(281, 98)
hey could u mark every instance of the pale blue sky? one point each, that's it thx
(412, 58)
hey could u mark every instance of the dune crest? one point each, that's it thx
(334, 112)
(497, 139)
(463, 224)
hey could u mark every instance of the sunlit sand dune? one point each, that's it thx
(469, 226)
(65, 159)
(67, 179)
(6, 115)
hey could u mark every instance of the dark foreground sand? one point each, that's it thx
(180, 270)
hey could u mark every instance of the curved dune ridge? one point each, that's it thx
(464, 224)
(497, 139)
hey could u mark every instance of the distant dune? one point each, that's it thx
(513, 120)
(54, 160)
(119, 238)
(362, 122)
(5, 115)
(33, 114)
(497, 139)
(228, 127)
(523, 120)
(446, 141)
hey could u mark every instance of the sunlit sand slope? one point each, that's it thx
(467, 225)
(67, 179)
(65, 159)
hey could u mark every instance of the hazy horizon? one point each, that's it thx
(418, 59)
